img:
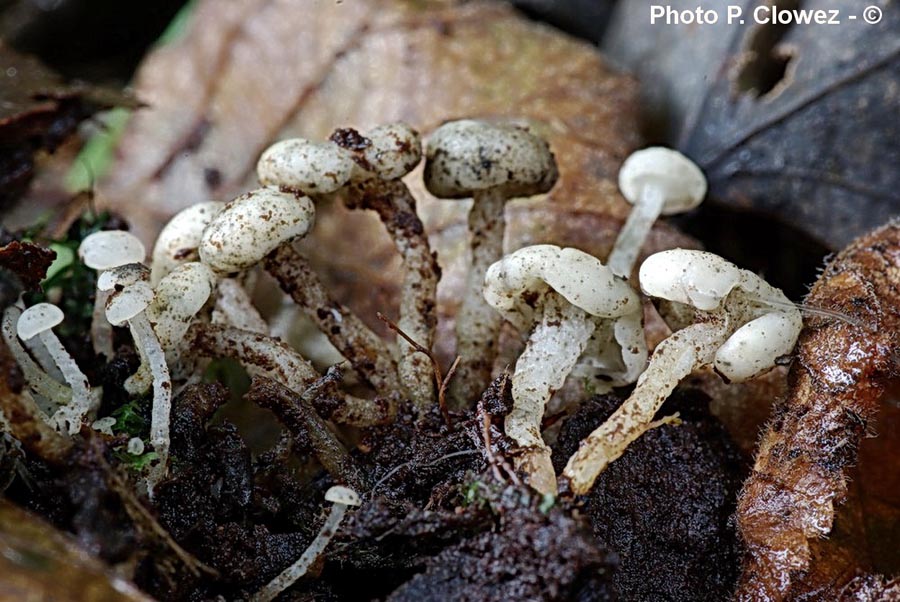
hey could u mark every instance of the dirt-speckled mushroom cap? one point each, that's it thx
(110, 248)
(463, 157)
(37, 319)
(129, 302)
(122, 276)
(511, 284)
(305, 166)
(387, 152)
(252, 226)
(178, 241)
(342, 495)
(696, 278)
(682, 182)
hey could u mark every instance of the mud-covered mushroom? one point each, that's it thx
(179, 239)
(740, 324)
(310, 168)
(490, 164)
(341, 498)
(565, 294)
(656, 181)
(39, 320)
(103, 251)
(127, 304)
(252, 226)
(382, 157)
(178, 298)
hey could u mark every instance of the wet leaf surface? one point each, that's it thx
(793, 122)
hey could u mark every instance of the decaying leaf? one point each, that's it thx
(795, 122)
(800, 475)
(38, 112)
(39, 563)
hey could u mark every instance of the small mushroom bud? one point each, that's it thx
(657, 181)
(742, 325)
(129, 305)
(567, 294)
(252, 226)
(103, 251)
(342, 498)
(491, 164)
(39, 320)
(178, 240)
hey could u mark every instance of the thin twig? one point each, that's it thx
(435, 365)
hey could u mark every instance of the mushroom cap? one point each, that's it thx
(110, 248)
(178, 298)
(342, 495)
(463, 157)
(178, 240)
(755, 346)
(252, 226)
(129, 302)
(305, 166)
(37, 319)
(511, 284)
(122, 276)
(388, 152)
(682, 182)
(696, 278)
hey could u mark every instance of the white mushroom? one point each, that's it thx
(39, 381)
(39, 320)
(178, 297)
(342, 498)
(252, 226)
(741, 326)
(102, 251)
(657, 181)
(385, 155)
(178, 240)
(568, 293)
(128, 304)
(307, 167)
(491, 164)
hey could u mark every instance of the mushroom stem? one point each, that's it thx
(396, 208)
(235, 308)
(366, 352)
(477, 323)
(633, 234)
(36, 378)
(304, 423)
(73, 412)
(145, 339)
(101, 329)
(262, 355)
(674, 358)
(552, 351)
(342, 499)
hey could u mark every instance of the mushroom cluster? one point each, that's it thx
(195, 301)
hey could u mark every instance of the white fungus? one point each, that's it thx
(490, 163)
(104, 425)
(305, 166)
(342, 498)
(39, 320)
(129, 305)
(252, 226)
(566, 294)
(178, 297)
(741, 325)
(135, 446)
(657, 181)
(178, 240)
